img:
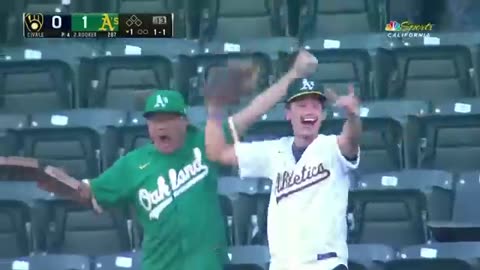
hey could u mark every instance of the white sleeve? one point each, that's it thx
(253, 158)
(345, 164)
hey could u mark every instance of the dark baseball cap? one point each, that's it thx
(165, 101)
(302, 87)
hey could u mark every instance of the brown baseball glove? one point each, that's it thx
(226, 85)
(49, 178)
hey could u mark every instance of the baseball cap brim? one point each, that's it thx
(319, 94)
(151, 113)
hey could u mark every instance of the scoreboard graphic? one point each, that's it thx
(97, 25)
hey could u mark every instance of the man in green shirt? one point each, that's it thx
(173, 186)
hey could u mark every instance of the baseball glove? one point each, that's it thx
(226, 85)
(49, 178)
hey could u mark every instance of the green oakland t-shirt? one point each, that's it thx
(175, 198)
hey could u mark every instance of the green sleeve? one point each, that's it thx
(113, 187)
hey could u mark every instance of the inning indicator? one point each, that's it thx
(98, 25)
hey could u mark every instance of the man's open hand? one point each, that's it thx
(305, 64)
(350, 103)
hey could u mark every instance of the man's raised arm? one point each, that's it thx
(216, 147)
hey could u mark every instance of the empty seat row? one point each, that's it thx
(392, 139)
(436, 74)
(397, 208)
(226, 19)
(454, 256)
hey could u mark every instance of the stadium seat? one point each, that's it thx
(381, 143)
(437, 186)
(194, 71)
(434, 73)
(458, 107)
(466, 251)
(430, 264)
(391, 208)
(396, 109)
(369, 256)
(9, 144)
(14, 220)
(121, 140)
(177, 7)
(66, 50)
(465, 222)
(76, 230)
(171, 48)
(227, 212)
(249, 200)
(69, 139)
(339, 68)
(51, 262)
(35, 86)
(130, 260)
(248, 258)
(316, 17)
(232, 20)
(446, 142)
(120, 82)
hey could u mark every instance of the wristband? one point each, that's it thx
(216, 115)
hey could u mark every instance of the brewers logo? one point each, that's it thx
(33, 22)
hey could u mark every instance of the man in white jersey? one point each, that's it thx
(307, 227)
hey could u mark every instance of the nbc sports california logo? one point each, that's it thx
(408, 29)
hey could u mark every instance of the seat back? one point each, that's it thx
(436, 185)
(14, 217)
(381, 143)
(76, 230)
(391, 217)
(122, 82)
(449, 142)
(35, 86)
(194, 71)
(428, 264)
(53, 262)
(360, 17)
(131, 260)
(337, 69)
(228, 20)
(427, 73)
(369, 256)
(466, 196)
(249, 257)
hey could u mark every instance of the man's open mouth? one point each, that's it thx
(308, 120)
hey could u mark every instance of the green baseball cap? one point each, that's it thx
(301, 87)
(165, 101)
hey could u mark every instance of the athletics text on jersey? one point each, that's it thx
(308, 201)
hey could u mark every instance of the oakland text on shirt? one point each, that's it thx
(156, 201)
(289, 183)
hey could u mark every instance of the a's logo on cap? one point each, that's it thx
(161, 101)
(307, 85)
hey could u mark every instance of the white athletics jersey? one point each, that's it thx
(308, 202)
